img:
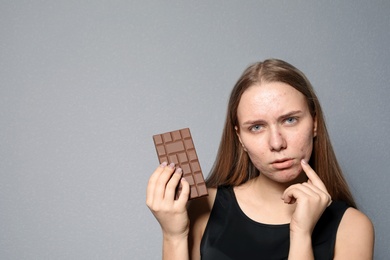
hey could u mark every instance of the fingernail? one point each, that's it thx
(304, 161)
(172, 165)
(163, 164)
(179, 170)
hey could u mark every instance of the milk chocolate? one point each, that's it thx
(178, 147)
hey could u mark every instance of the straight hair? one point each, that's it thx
(233, 166)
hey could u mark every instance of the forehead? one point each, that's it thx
(270, 99)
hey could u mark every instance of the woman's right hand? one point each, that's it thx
(160, 198)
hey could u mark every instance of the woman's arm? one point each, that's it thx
(175, 248)
(355, 237)
(300, 247)
(355, 234)
(170, 213)
(311, 199)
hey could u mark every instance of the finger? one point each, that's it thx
(152, 182)
(312, 175)
(309, 190)
(323, 194)
(172, 185)
(314, 188)
(185, 193)
(293, 194)
(161, 182)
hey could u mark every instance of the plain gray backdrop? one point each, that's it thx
(85, 84)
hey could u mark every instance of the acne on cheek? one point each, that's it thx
(306, 153)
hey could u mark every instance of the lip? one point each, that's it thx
(284, 163)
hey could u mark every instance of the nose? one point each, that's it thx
(277, 142)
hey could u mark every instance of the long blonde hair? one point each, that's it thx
(233, 167)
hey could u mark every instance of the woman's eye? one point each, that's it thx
(291, 120)
(255, 128)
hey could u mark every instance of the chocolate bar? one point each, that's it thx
(178, 147)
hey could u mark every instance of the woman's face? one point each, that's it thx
(276, 129)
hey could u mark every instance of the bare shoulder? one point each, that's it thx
(199, 211)
(355, 236)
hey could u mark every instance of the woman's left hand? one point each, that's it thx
(311, 197)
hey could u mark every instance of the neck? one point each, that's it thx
(269, 189)
(261, 200)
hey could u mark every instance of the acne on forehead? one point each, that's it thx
(270, 98)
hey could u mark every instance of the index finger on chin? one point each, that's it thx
(312, 175)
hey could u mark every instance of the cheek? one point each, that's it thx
(257, 153)
(253, 146)
(306, 145)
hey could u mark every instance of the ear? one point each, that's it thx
(239, 138)
(315, 126)
(237, 133)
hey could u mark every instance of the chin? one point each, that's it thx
(290, 176)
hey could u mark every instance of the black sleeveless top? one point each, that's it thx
(230, 234)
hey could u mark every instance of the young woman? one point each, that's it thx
(276, 190)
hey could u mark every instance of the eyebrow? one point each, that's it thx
(260, 121)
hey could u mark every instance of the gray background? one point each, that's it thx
(85, 84)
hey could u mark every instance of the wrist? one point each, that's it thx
(301, 239)
(300, 234)
(300, 246)
(175, 247)
(175, 238)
